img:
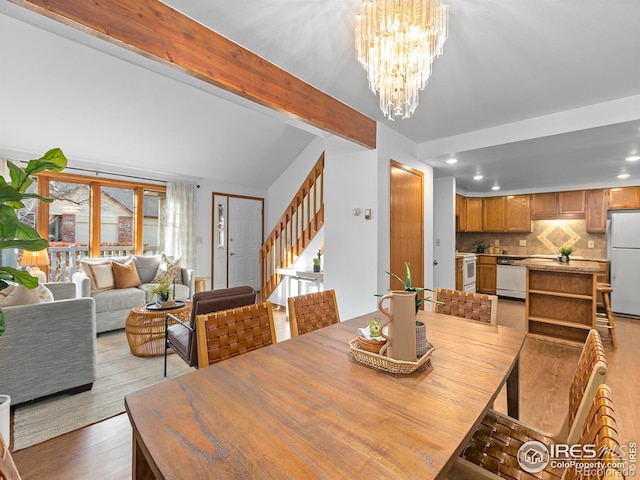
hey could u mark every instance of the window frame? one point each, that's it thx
(95, 199)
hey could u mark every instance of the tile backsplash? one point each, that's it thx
(547, 237)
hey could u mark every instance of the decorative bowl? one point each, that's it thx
(371, 345)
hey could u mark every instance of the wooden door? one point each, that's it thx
(544, 205)
(474, 214)
(626, 197)
(596, 205)
(406, 233)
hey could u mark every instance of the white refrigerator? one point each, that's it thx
(624, 253)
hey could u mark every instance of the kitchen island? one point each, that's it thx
(560, 299)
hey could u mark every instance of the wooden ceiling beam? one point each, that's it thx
(157, 31)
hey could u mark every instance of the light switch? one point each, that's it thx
(497, 242)
(590, 244)
(367, 214)
(523, 243)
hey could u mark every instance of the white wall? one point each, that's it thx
(350, 242)
(444, 227)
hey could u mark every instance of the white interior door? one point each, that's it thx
(245, 240)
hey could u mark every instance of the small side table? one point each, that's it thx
(201, 283)
(145, 328)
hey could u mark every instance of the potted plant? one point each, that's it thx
(478, 247)
(18, 235)
(162, 291)
(564, 254)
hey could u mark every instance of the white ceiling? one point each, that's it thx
(534, 95)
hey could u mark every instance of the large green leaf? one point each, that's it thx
(8, 193)
(18, 176)
(18, 276)
(9, 222)
(26, 231)
(54, 160)
(31, 244)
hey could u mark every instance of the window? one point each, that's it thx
(95, 217)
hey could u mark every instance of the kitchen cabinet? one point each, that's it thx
(518, 213)
(493, 214)
(486, 273)
(596, 208)
(544, 205)
(461, 213)
(621, 198)
(474, 214)
(459, 277)
(552, 205)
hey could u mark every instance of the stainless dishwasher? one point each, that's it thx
(511, 280)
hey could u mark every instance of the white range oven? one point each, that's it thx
(468, 271)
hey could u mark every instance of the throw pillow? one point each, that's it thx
(15, 295)
(147, 266)
(168, 269)
(100, 273)
(125, 275)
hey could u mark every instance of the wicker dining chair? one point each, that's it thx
(495, 443)
(474, 306)
(229, 333)
(312, 311)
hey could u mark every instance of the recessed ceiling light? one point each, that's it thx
(451, 161)
(478, 177)
(495, 187)
(633, 158)
(622, 176)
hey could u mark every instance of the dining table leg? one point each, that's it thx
(140, 469)
(513, 391)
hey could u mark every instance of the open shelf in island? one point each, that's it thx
(561, 300)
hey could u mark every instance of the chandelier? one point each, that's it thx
(396, 42)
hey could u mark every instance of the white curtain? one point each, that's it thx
(181, 223)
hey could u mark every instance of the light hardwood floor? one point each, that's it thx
(103, 450)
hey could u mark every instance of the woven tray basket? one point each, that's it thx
(387, 364)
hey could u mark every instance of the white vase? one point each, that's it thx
(5, 418)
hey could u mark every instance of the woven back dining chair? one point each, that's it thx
(489, 448)
(312, 311)
(500, 459)
(474, 306)
(226, 334)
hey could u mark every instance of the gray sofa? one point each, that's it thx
(113, 306)
(48, 347)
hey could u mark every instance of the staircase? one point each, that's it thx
(302, 219)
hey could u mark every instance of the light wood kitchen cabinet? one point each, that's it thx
(461, 213)
(621, 198)
(517, 216)
(544, 205)
(493, 214)
(596, 208)
(486, 273)
(571, 204)
(474, 214)
(459, 276)
(558, 205)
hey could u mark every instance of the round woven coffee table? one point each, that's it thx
(145, 328)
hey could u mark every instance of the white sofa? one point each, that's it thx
(48, 347)
(113, 306)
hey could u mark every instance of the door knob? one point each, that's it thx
(231, 253)
(435, 262)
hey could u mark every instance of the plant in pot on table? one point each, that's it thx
(374, 332)
(162, 291)
(478, 247)
(564, 254)
(15, 234)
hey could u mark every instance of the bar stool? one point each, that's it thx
(606, 319)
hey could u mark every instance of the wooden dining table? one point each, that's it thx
(304, 408)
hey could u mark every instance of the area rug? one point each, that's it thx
(119, 373)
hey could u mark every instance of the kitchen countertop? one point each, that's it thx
(577, 266)
(538, 255)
